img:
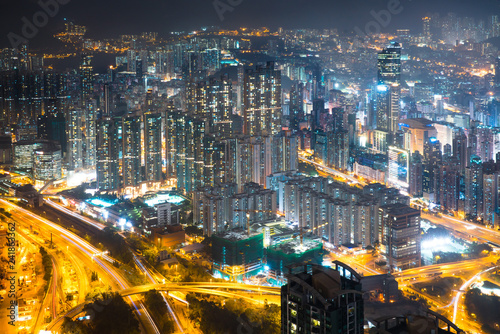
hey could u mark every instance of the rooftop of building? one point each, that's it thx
(234, 235)
(418, 123)
(295, 246)
(324, 283)
(426, 323)
(399, 209)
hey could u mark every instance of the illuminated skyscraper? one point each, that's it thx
(86, 77)
(262, 100)
(152, 146)
(89, 124)
(491, 181)
(75, 138)
(296, 105)
(108, 178)
(388, 108)
(213, 100)
(389, 88)
(389, 65)
(474, 188)
(131, 159)
(400, 240)
(285, 152)
(398, 168)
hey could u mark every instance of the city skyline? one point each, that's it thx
(297, 167)
(167, 17)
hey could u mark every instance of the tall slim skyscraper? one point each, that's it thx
(152, 146)
(389, 88)
(107, 167)
(262, 100)
(296, 105)
(75, 138)
(86, 77)
(474, 188)
(131, 159)
(322, 300)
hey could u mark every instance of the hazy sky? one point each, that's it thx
(108, 18)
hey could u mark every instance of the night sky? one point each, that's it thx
(109, 18)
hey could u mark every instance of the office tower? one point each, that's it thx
(152, 146)
(75, 138)
(262, 100)
(388, 107)
(107, 167)
(296, 105)
(474, 188)
(389, 65)
(323, 300)
(388, 88)
(415, 175)
(398, 168)
(47, 162)
(285, 152)
(131, 159)
(86, 78)
(400, 241)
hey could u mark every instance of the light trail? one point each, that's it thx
(54, 290)
(136, 260)
(465, 286)
(172, 313)
(86, 248)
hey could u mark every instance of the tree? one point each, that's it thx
(70, 326)
(156, 304)
(111, 314)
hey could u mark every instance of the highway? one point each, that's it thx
(138, 262)
(273, 293)
(85, 252)
(464, 287)
(466, 229)
(332, 171)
